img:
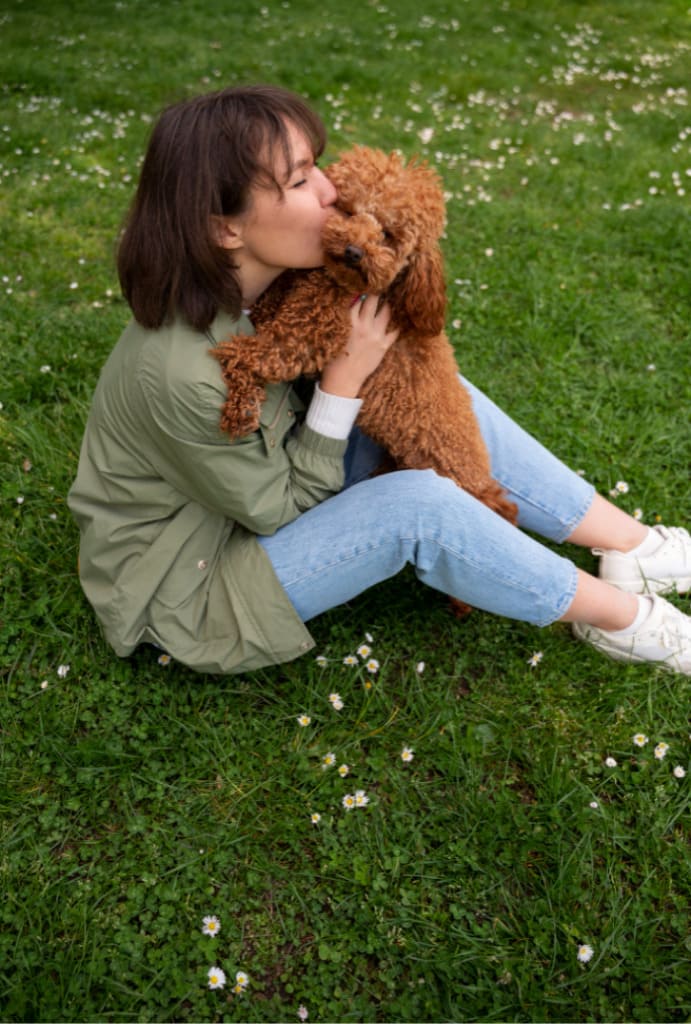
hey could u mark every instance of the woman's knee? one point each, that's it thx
(420, 502)
(418, 490)
(423, 485)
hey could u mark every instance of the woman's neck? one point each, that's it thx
(254, 281)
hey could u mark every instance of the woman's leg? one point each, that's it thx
(607, 612)
(542, 485)
(558, 504)
(607, 526)
(369, 531)
(552, 500)
(599, 604)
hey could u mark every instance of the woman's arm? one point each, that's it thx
(263, 480)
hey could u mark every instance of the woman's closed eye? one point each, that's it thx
(304, 176)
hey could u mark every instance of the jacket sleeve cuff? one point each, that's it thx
(332, 415)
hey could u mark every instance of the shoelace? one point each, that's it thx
(674, 533)
(671, 640)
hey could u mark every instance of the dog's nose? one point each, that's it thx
(353, 255)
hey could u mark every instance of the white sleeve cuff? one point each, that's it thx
(332, 415)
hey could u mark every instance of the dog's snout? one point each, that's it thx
(353, 255)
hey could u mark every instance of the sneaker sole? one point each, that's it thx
(634, 659)
(616, 654)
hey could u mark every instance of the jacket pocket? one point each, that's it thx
(277, 415)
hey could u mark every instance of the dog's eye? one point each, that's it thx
(386, 236)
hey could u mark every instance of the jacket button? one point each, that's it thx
(272, 442)
(202, 563)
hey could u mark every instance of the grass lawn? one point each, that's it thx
(138, 798)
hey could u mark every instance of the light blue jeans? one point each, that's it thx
(376, 525)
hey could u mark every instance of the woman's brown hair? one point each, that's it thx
(203, 157)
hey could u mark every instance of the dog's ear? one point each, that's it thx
(420, 295)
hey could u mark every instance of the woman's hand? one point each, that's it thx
(371, 337)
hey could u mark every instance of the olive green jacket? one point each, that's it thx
(168, 507)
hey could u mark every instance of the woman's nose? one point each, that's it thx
(329, 194)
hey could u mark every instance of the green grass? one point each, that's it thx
(137, 798)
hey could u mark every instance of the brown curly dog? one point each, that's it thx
(382, 239)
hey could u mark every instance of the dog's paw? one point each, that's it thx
(240, 416)
(459, 608)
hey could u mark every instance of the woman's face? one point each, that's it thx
(283, 231)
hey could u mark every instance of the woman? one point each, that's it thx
(220, 552)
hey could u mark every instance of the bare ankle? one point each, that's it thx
(634, 541)
(608, 527)
(601, 605)
(623, 620)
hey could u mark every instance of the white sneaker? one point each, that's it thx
(664, 638)
(666, 570)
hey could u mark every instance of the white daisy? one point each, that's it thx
(407, 754)
(585, 953)
(217, 978)
(211, 925)
(661, 750)
(640, 739)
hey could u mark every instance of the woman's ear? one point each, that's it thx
(226, 232)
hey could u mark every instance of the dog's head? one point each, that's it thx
(384, 236)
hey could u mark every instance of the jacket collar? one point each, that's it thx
(224, 325)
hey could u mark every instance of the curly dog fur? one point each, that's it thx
(383, 238)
